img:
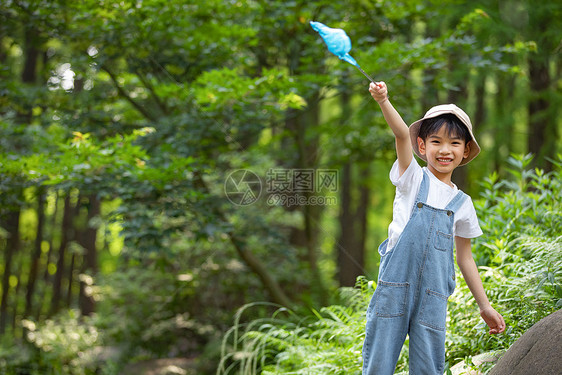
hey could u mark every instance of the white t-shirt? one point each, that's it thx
(440, 194)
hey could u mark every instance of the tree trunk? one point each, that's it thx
(68, 299)
(313, 213)
(66, 230)
(353, 226)
(12, 227)
(503, 120)
(353, 214)
(454, 96)
(362, 223)
(298, 125)
(17, 274)
(78, 228)
(29, 71)
(46, 274)
(90, 264)
(36, 256)
(24, 116)
(542, 127)
(345, 243)
(480, 111)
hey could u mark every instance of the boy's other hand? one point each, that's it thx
(493, 319)
(378, 91)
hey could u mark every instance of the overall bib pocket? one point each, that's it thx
(391, 299)
(443, 241)
(433, 312)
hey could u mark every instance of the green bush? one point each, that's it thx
(520, 255)
(68, 344)
(520, 259)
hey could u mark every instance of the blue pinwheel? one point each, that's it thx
(338, 43)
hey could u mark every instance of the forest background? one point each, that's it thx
(127, 230)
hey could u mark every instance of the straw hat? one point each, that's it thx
(442, 110)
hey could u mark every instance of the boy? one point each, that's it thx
(417, 273)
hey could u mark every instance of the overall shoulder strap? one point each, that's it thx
(424, 189)
(456, 202)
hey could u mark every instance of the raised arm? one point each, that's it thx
(379, 92)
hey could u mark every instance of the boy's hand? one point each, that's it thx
(378, 91)
(493, 319)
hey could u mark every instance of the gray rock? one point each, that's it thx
(537, 352)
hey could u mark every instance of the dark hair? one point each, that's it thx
(455, 127)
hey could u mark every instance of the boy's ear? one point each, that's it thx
(466, 149)
(421, 145)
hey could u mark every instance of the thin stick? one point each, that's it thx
(365, 74)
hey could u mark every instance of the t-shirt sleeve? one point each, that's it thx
(412, 176)
(468, 226)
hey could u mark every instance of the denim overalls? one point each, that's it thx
(415, 280)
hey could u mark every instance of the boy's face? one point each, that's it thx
(443, 152)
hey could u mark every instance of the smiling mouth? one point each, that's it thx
(444, 160)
